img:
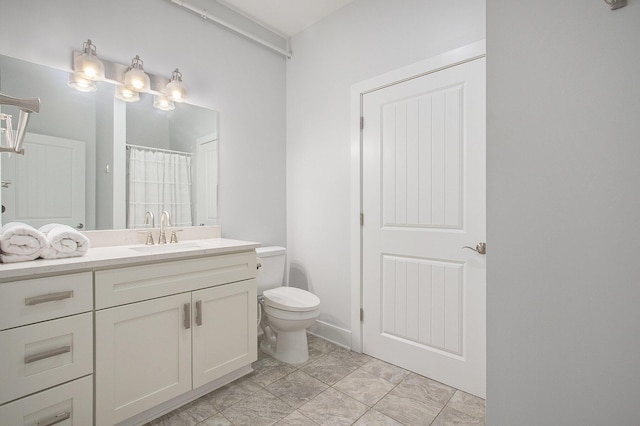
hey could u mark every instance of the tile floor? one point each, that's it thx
(335, 387)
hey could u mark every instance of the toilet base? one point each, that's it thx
(291, 347)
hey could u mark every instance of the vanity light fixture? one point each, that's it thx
(163, 103)
(87, 65)
(135, 78)
(126, 95)
(81, 84)
(175, 90)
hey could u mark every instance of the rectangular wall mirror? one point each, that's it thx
(95, 162)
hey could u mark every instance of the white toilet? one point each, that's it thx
(286, 311)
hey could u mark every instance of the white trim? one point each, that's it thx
(119, 166)
(179, 401)
(445, 60)
(331, 333)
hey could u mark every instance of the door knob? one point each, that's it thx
(480, 248)
(80, 226)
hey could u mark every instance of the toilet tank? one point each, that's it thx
(271, 274)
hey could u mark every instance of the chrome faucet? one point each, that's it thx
(164, 222)
(148, 216)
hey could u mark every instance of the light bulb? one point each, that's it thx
(87, 64)
(126, 95)
(78, 82)
(135, 78)
(175, 90)
(162, 103)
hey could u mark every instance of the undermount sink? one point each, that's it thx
(167, 248)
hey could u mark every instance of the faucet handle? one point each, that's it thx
(174, 236)
(149, 241)
(162, 239)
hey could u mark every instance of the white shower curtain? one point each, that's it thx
(158, 181)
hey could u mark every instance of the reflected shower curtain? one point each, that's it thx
(158, 181)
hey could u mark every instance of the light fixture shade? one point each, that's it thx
(82, 84)
(162, 103)
(175, 90)
(126, 95)
(135, 78)
(87, 65)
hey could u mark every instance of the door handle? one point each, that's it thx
(480, 248)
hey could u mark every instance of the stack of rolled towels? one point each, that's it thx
(20, 242)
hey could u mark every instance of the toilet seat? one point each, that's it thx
(291, 299)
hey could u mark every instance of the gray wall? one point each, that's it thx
(363, 40)
(563, 213)
(222, 71)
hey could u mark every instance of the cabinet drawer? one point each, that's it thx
(29, 301)
(69, 404)
(135, 283)
(38, 356)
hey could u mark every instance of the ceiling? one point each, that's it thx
(288, 17)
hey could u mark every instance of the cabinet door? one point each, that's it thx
(143, 353)
(224, 332)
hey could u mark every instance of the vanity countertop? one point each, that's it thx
(124, 255)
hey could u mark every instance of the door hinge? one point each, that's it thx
(361, 123)
(361, 219)
(361, 315)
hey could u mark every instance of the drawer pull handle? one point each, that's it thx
(199, 312)
(187, 316)
(53, 297)
(58, 418)
(46, 354)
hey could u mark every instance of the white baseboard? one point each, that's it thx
(332, 333)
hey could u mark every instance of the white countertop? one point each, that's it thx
(117, 256)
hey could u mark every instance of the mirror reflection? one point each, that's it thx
(95, 162)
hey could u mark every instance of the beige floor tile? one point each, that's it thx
(452, 417)
(423, 389)
(268, 370)
(297, 388)
(232, 393)
(259, 409)
(389, 372)
(375, 418)
(467, 403)
(335, 365)
(216, 420)
(408, 411)
(364, 387)
(296, 419)
(333, 408)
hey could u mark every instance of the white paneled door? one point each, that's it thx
(47, 183)
(423, 189)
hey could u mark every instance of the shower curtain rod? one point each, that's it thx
(159, 150)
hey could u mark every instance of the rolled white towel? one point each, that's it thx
(20, 242)
(64, 241)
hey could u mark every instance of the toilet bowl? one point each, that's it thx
(286, 311)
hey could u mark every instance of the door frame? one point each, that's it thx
(437, 63)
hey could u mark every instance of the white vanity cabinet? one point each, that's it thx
(166, 329)
(46, 356)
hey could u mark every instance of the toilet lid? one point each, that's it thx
(291, 299)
